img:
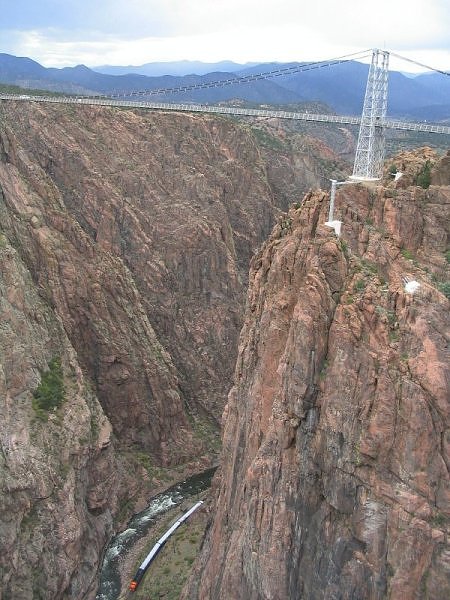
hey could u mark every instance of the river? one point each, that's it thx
(139, 525)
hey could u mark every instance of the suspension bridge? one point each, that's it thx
(372, 123)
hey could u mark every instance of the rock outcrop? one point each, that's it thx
(334, 479)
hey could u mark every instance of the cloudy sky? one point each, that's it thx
(61, 33)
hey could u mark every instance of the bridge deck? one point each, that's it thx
(228, 110)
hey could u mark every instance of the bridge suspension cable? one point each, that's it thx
(238, 80)
(414, 62)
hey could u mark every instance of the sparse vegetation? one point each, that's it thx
(368, 267)
(444, 287)
(285, 224)
(207, 432)
(16, 89)
(145, 460)
(344, 247)
(323, 370)
(407, 254)
(439, 520)
(360, 285)
(49, 395)
(266, 139)
(423, 178)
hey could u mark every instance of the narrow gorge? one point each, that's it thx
(125, 240)
(126, 305)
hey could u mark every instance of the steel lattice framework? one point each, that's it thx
(369, 156)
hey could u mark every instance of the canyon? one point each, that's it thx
(125, 244)
(125, 240)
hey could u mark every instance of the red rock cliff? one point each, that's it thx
(125, 239)
(334, 480)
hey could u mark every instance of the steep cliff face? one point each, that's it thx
(125, 240)
(142, 212)
(125, 243)
(300, 157)
(58, 474)
(334, 480)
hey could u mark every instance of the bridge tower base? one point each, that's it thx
(371, 142)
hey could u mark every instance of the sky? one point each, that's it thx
(59, 33)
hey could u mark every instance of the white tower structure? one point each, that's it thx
(370, 149)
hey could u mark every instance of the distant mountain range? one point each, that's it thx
(178, 68)
(425, 97)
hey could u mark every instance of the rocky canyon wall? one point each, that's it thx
(334, 478)
(125, 239)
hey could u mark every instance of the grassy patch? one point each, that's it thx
(359, 285)
(266, 139)
(423, 178)
(344, 247)
(439, 520)
(369, 267)
(323, 370)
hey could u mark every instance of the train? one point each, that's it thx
(157, 547)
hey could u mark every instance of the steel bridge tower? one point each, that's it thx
(370, 149)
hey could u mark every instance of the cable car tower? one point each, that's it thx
(369, 157)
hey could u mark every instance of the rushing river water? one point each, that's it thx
(109, 587)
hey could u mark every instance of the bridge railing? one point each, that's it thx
(227, 110)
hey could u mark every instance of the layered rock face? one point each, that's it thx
(334, 480)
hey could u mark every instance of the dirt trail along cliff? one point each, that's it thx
(334, 480)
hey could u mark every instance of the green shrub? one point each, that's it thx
(49, 394)
(423, 178)
(360, 285)
(444, 287)
(407, 254)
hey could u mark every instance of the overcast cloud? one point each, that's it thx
(93, 32)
